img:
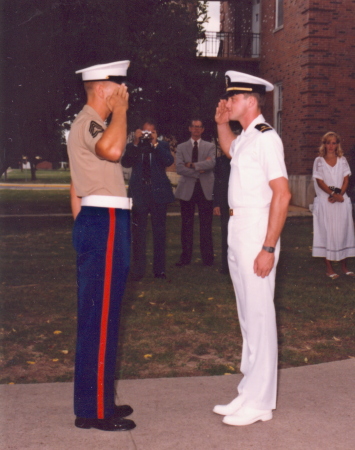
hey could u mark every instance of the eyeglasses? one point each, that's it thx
(196, 126)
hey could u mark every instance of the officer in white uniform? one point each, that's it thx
(258, 196)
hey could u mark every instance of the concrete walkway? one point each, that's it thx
(315, 412)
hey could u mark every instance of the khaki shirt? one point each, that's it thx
(90, 174)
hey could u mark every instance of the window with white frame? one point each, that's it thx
(279, 14)
(278, 108)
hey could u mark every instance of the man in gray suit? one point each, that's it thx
(195, 161)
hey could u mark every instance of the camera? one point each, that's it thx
(146, 135)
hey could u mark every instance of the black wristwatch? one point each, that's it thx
(269, 249)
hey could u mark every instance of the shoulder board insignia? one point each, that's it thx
(263, 127)
(95, 128)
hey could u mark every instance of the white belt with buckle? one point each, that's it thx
(107, 201)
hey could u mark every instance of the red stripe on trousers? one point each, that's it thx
(105, 314)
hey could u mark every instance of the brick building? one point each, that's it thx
(306, 48)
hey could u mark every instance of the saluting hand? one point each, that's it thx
(222, 113)
(119, 99)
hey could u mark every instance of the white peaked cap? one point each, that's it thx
(107, 72)
(239, 82)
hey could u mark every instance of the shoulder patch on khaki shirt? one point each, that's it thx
(95, 128)
(263, 127)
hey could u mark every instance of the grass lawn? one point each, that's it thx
(183, 326)
(34, 202)
(43, 176)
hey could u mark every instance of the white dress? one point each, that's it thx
(333, 224)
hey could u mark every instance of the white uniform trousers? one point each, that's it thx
(255, 304)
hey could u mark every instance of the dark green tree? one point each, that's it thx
(46, 41)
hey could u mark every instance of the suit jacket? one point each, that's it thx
(220, 188)
(186, 185)
(161, 158)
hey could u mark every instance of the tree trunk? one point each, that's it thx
(3, 167)
(33, 171)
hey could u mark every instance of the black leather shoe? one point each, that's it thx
(160, 275)
(181, 264)
(110, 424)
(122, 411)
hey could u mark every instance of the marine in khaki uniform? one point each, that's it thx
(101, 239)
(258, 196)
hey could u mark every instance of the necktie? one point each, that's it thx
(195, 153)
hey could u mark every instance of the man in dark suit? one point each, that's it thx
(220, 204)
(151, 191)
(195, 161)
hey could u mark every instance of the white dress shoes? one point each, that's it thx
(231, 408)
(247, 416)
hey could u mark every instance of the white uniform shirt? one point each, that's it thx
(257, 158)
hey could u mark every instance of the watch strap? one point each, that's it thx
(269, 249)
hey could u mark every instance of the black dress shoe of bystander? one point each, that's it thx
(181, 264)
(160, 275)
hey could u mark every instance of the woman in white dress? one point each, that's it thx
(333, 225)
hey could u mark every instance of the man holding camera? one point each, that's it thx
(151, 192)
